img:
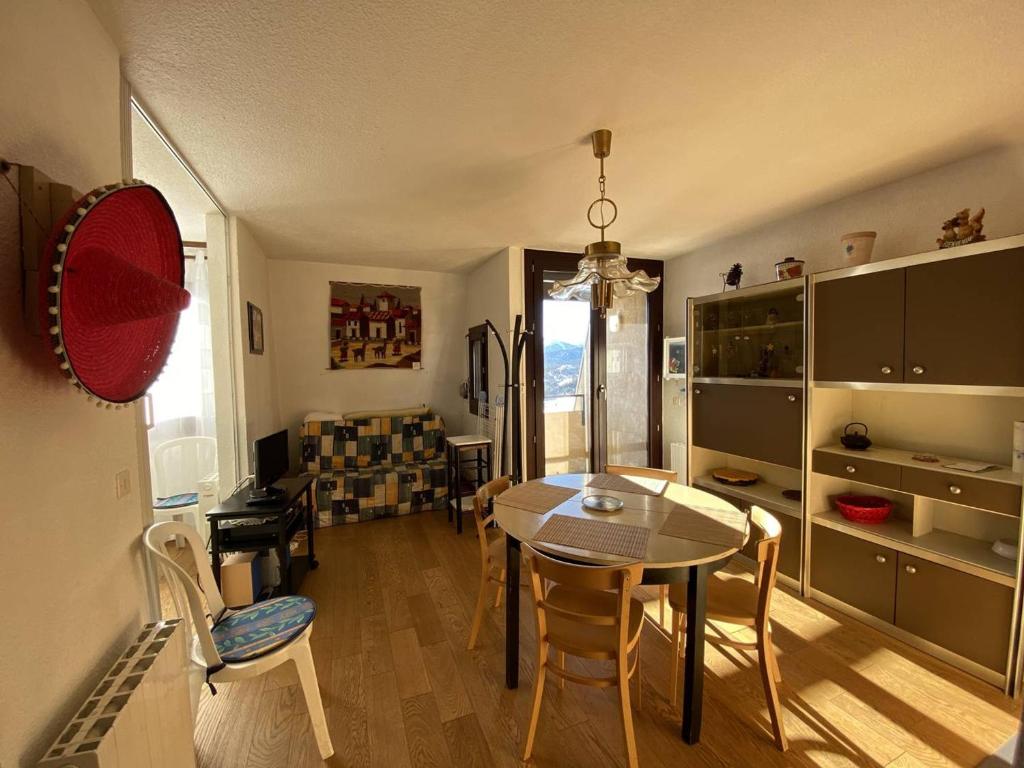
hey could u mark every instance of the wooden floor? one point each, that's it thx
(400, 689)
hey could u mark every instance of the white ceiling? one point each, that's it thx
(429, 135)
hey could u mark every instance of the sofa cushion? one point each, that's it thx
(359, 494)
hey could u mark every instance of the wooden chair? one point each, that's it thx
(586, 611)
(736, 600)
(656, 474)
(492, 551)
(243, 643)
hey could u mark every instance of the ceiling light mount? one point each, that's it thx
(603, 271)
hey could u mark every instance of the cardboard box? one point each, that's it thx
(240, 579)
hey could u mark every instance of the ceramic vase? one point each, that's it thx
(857, 247)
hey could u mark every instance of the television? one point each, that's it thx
(270, 459)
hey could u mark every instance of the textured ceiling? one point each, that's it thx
(429, 135)
(153, 163)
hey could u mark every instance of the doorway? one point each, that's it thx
(593, 384)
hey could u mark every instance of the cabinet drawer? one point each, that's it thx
(970, 491)
(858, 572)
(857, 468)
(762, 423)
(962, 613)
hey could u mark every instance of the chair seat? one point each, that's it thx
(585, 640)
(731, 598)
(177, 501)
(261, 628)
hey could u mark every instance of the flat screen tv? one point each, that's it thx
(270, 459)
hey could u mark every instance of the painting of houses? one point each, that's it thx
(374, 326)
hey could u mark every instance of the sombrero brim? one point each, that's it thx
(115, 291)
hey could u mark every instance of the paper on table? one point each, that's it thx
(969, 466)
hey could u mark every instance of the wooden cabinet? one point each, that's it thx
(858, 572)
(965, 321)
(758, 422)
(965, 614)
(858, 328)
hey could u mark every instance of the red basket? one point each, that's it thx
(864, 509)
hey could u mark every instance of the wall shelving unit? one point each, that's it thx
(928, 350)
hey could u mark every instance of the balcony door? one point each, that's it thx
(593, 384)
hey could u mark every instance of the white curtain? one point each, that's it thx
(182, 398)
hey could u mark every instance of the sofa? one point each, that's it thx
(375, 466)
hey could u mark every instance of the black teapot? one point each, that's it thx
(855, 441)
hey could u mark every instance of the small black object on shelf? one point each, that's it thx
(733, 276)
(855, 441)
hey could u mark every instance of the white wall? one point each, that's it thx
(73, 583)
(257, 401)
(300, 300)
(907, 215)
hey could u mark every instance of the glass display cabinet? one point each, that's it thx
(751, 334)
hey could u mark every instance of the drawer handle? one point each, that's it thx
(918, 370)
(886, 369)
(791, 398)
(696, 390)
(850, 468)
(956, 490)
(911, 569)
(881, 559)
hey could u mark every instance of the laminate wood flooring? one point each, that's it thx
(395, 599)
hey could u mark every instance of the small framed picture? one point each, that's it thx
(255, 329)
(675, 357)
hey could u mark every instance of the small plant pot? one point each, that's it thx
(857, 247)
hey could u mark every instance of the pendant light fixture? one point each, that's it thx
(603, 272)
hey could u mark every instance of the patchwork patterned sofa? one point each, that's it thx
(379, 466)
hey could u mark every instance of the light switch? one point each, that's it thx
(122, 484)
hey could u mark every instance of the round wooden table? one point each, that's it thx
(668, 560)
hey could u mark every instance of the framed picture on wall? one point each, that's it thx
(675, 357)
(255, 329)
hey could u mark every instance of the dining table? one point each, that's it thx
(668, 559)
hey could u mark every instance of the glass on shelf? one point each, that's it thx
(750, 337)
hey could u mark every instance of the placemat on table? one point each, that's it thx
(727, 527)
(536, 497)
(645, 485)
(595, 535)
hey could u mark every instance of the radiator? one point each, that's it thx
(139, 715)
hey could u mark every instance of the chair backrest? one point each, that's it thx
(482, 513)
(764, 542)
(186, 594)
(179, 464)
(546, 571)
(657, 474)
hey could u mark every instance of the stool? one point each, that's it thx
(483, 448)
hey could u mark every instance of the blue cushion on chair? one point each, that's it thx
(176, 501)
(259, 629)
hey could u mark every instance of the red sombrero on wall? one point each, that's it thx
(112, 291)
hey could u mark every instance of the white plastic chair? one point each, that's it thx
(179, 465)
(188, 599)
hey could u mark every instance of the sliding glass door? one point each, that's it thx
(593, 383)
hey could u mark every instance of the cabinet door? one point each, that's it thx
(858, 572)
(960, 612)
(858, 328)
(965, 320)
(762, 423)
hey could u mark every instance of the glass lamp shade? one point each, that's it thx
(603, 273)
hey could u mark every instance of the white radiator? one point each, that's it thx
(139, 715)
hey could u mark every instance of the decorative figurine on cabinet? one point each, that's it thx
(733, 276)
(962, 229)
